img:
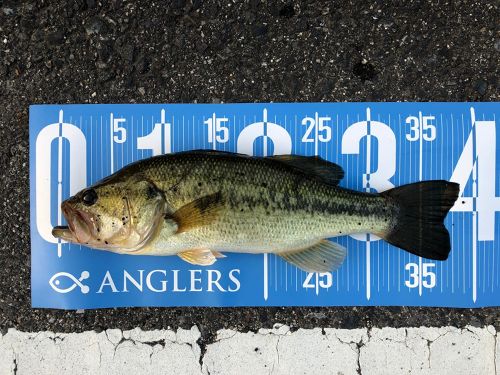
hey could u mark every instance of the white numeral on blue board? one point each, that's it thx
(427, 277)
(119, 132)
(316, 281)
(77, 176)
(218, 132)
(323, 132)
(477, 163)
(159, 140)
(421, 127)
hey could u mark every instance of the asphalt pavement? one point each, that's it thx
(228, 51)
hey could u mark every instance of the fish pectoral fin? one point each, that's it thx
(200, 257)
(198, 213)
(325, 170)
(324, 256)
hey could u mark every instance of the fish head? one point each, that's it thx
(118, 214)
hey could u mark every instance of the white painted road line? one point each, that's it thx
(445, 350)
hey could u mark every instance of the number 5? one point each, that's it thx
(324, 131)
(122, 137)
(429, 135)
(222, 132)
(428, 277)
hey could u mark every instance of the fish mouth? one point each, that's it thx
(80, 227)
(64, 233)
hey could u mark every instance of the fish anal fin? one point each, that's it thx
(328, 172)
(199, 257)
(200, 212)
(323, 256)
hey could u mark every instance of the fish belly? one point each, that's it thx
(275, 228)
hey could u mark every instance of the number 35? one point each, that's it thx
(427, 278)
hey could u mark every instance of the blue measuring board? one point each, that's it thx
(379, 145)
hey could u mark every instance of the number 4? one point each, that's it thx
(478, 161)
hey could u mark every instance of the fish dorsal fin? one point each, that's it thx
(199, 212)
(328, 172)
(324, 256)
(199, 257)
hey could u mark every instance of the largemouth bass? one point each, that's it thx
(199, 204)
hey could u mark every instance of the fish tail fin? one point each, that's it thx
(419, 226)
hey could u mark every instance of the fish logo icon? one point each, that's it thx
(56, 281)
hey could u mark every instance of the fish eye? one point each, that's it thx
(89, 197)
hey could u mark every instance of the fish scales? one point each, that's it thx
(269, 206)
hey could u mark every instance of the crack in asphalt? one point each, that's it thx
(279, 332)
(495, 363)
(355, 346)
(14, 370)
(277, 355)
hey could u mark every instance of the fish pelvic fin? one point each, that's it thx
(199, 257)
(324, 256)
(200, 212)
(419, 227)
